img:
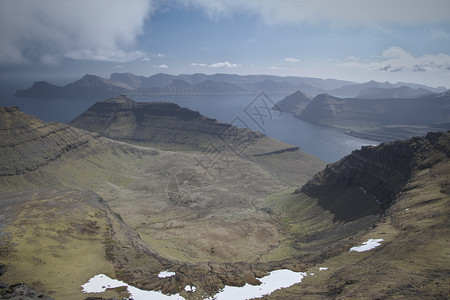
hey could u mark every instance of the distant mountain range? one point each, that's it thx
(377, 117)
(88, 86)
(378, 89)
(386, 93)
(219, 84)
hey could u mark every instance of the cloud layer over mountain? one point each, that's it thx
(396, 59)
(49, 30)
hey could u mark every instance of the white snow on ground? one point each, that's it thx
(165, 274)
(99, 283)
(323, 268)
(190, 288)
(366, 246)
(275, 280)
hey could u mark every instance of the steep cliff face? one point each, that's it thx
(370, 179)
(37, 154)
(410, 179)
(28, 143)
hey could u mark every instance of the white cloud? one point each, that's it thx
(226, 64)
(343, 12)
(101, 54)
(396, 59)
(199, 65)
(291, 59)
(49, 30)
(163, 66)
(217, 65)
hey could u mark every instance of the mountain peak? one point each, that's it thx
(293, 103)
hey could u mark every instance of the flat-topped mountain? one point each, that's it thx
(167, 126)
(160, 124)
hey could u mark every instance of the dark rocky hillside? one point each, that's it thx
(374, 175)
(406, 183)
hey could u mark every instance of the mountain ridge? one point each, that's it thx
(390, 93)
(380, 119)
(167, 126)
(87, 86)
(217, 84)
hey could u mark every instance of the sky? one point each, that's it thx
(357, 40)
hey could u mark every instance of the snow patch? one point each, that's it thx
(323, 268)
(165, 274)
(190, 288)
(366, 246)
(275, 280)
(99, 283)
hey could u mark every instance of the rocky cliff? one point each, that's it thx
(28, 144)
(370, 179)
(408, 183)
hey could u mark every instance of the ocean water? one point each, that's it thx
(252, 111)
